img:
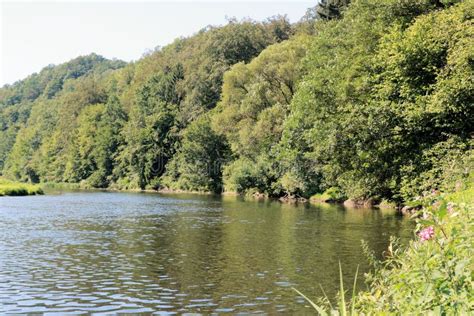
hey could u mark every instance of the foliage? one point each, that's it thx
(255, 103)
(256, 96)
(369, 99)
(432, 274)
(330, 9)
(330, 195)
(150, 133)
(197, 166)
(240, 176)
(88, 121)
(444, 166)
(342, 305)
(385, 88)
(18, 100)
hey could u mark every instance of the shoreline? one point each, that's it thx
(349, 203)
(370, 203)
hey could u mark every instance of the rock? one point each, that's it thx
(259, 196)
(318, 200)
(408, 210)
(292, 199)
(350, 203)
(367, 203)
(384, 204)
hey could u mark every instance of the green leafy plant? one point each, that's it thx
(434, 273)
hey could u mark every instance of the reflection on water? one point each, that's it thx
(145, 253)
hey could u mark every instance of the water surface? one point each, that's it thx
(113, 253)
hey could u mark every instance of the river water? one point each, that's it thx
(138, 253)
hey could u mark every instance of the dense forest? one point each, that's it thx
(367, 99)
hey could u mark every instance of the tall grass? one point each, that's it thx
(18, 189)
(328, 309)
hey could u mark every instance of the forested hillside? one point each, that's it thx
(372, 99)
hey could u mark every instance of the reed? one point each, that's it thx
(327, 309)
(9, 188)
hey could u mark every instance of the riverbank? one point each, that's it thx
(9, 188)
(433, 274)
(329, 197)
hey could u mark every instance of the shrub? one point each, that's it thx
(444, 167)
(433, 275)
(240, 176)
(435, 272)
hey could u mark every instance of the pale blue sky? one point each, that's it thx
(35, 34)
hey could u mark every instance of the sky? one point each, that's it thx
(36, 34)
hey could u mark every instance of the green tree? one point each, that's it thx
(150, 133)
(255, 103)
(197, 166)
(366, 108)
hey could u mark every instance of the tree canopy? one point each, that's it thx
(370, 99)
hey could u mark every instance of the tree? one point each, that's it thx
(197, 166)
(255, 103)
(150, 133)
(330, 9)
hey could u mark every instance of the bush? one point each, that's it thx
(155, 184)
(433, 275)
(444, 167)
(98, 179)
(240, 176)
(435, 272)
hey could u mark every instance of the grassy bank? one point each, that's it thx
(435, 272)
(18, 189)
(432, 275)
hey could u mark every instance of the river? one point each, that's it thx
(112, 253)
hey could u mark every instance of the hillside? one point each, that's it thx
(372, 100)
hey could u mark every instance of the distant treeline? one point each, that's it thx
(372, 99)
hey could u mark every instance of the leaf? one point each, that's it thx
(426, 222)
(319, 309)
(342, 301)
(354, 292)
(443, 210)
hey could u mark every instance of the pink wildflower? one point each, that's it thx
(450, 208)
(426, 233)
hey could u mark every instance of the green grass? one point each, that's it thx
(465, 196)
(330, 195)
(61, 185)
(9, 188)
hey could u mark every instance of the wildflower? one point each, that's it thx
(426, 233)
(450, 208)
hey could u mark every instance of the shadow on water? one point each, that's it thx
(141, 253)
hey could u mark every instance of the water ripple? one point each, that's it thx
(118, 253)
